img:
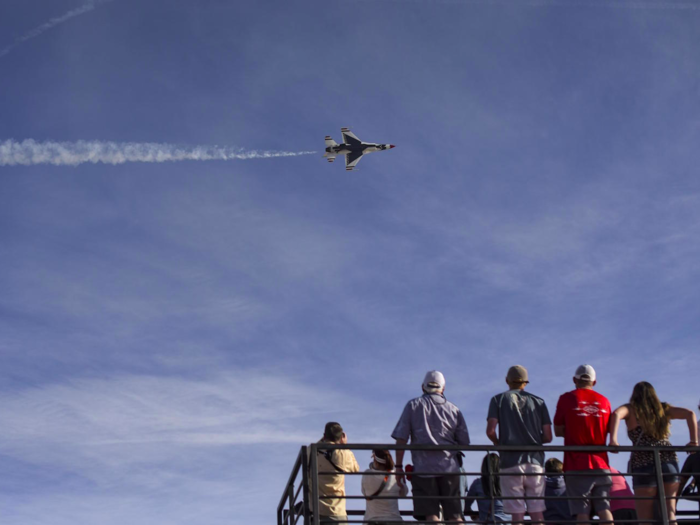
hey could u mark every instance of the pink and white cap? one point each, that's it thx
(434, 381)
(585, 372)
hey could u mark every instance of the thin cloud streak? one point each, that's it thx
(30, 152)
(53, 22)
(644, 5)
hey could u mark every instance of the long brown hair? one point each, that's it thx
(652, 414)
(386, 456)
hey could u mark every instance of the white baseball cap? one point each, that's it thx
(434, 381)
(585, 372)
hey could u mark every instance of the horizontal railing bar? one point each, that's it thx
(355, 512)
(502, 448)
(538, 498)
(496, 474)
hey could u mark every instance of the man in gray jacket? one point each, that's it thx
(432, 420)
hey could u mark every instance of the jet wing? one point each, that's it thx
(351, 160)
(349, 137)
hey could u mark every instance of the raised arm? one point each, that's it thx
(614, 424)
(689, 416)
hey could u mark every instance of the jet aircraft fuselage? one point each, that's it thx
(352, 148)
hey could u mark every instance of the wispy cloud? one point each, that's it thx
(53, 22)
(612, 4)
(30, 152)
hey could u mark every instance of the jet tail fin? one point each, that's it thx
(330, 142)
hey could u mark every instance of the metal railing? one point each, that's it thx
(301, 498)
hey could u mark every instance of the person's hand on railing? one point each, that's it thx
(613, 443)
(691, 444)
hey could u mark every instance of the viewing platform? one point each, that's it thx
(300, 498)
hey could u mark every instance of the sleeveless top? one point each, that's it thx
(643, 459)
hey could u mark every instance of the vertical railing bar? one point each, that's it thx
(290, 495)
(314, 484)
(305, 481)
(492, 488)
(661, 490)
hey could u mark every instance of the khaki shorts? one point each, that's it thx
(518, 486)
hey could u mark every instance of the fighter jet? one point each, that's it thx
(352, 147)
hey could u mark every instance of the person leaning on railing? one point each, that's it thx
(379, 480)
(432, 420)
(691, 469)
(521, 419)
(649, 425)
(483, 487)
(340, 462)
(582, 418)
(622, 509)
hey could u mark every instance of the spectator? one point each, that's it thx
(481, 488)
(432, 420)
(582, 418)
(521, 419)
(649, 425)
(374, 484)
(622, 509)
(557, 509)
(340, 461)
(691, 468)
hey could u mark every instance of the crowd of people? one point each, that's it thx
(515, 483)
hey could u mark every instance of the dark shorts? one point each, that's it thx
(596, 486)
(444, 486)
(647, 478)
(624, 515)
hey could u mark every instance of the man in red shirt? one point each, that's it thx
(581, 418)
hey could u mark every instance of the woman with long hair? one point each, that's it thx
(487, 489)
(380, 480)
(649, 425)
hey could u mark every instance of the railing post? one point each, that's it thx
(291, 513)
(305, 481)
(661, 490)
(492, 488)
(314, 484)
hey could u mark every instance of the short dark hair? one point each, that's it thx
(553, 466)
(333, 431)
(581, 383)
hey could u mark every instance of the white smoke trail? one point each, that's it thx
(29, 152)
(53, 22)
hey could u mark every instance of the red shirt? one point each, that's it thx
(584, 414)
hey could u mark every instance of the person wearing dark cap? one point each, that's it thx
(521, 419)
(339, 462)
(582, 418)
(432, 420)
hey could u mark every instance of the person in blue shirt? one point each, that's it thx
(557, 509)
(482, 488)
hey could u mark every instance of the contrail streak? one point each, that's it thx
(29, 152)
(53, 22)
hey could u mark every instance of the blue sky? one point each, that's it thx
(172, 332)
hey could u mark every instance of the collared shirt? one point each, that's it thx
(334, 484)
(521, 416)
(432, 420)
